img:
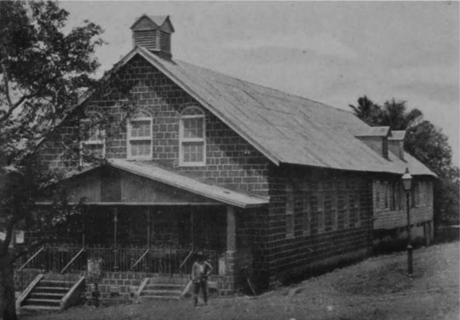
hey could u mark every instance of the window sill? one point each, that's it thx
(139, 158)
(182, 165)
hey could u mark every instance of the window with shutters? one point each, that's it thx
(192, 136)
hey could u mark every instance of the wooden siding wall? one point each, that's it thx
(389, 215)
(113, 185)
(231, 161)
(347, 228)
(87, 187)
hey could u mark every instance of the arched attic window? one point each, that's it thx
(92, 135)
(139, 137)
(192, 137)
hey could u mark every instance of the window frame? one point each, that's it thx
(290, 209)
(183, 140)
(320, 208)
(306, 215)
(84, 142)
(129, 138)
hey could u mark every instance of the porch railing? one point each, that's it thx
(158, 260)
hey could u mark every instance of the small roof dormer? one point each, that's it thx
(376, 138)
(154, 34)
(396, 143)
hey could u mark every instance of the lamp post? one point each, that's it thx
(407, 184)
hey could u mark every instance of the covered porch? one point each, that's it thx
(137, 217)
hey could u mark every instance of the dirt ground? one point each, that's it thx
(376, 289)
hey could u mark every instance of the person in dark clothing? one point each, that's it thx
(201, 269)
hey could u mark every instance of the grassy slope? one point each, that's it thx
(377, 288)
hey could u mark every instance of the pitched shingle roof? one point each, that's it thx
(284, 127)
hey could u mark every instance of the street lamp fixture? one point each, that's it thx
(407, 184)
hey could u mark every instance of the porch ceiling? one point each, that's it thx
(155, 173)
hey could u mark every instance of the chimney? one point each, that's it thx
(396, 143)
(154, 34)
(376, 138)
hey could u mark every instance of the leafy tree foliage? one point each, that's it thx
(366, 110)
(44, 71)
(395, 115)
(426, 143)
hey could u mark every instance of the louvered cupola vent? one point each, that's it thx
(154, 34)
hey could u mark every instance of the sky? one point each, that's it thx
(332, 52)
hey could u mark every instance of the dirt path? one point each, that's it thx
(376, 289)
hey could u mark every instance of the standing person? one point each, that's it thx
(201, 269)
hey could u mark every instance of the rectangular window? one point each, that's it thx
(92, 145)
(393, 191)
(342, 206)
(357, 203)
(423, 194)
(320, 207)
(377, 194)
(386, 194)
(417, 194)
(353, 208)
(334, 207)
(192, 138)
(289, 210)
(306, 209)
(140, 138)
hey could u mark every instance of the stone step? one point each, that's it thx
(55, 283)
(42, 302)
(161, 297)
(46, 295)
(160, 293)
(40, 308)
(68, 277)
(178, 281)
(40, 289)
(164, 286)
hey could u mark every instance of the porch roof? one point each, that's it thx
(152, 171)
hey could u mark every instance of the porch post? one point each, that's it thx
(148, 227)
(115, 250)
(192, 233)
(83, 220)
(231, 229)
(227, 287)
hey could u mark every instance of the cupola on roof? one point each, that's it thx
(154, 34)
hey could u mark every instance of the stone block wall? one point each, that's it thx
(332, 219)
(230, 160)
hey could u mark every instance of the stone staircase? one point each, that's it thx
(165, 288)
(51, 292)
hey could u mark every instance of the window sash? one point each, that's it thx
(94, 142)
(290, 201)
(133, 142)
(192, 133)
